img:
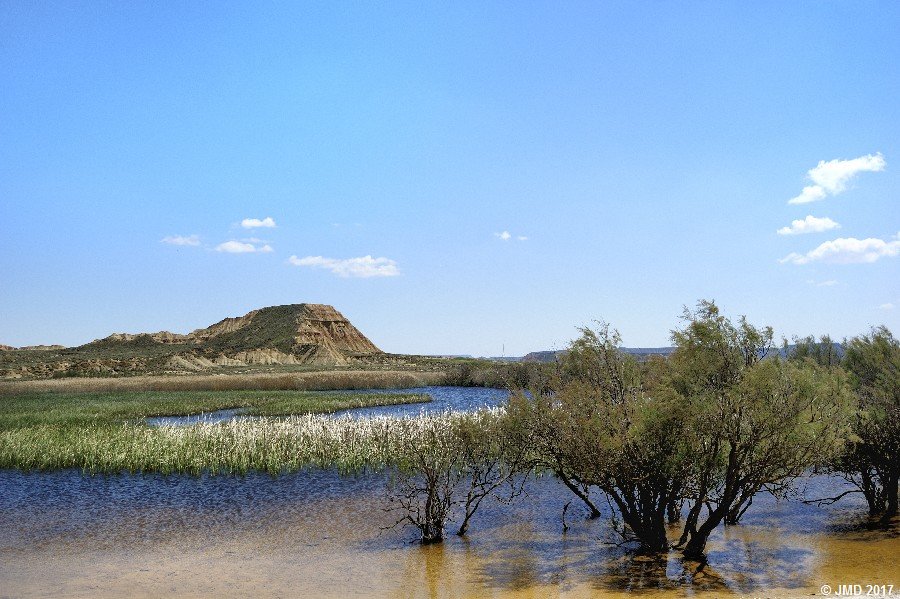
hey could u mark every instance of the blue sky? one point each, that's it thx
(647, 152)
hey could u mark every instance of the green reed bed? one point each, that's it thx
(303, 380)
(104, 432)
(75, 409)
(236, 447)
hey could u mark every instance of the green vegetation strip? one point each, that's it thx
(266, 445)
(105, 431)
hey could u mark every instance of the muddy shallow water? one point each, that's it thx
(316, 534)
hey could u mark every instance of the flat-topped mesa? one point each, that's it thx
(314, 333)
(293, 334)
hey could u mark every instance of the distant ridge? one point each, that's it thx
(31, 347)
(293, 333)
(552, 356)
(313, 334)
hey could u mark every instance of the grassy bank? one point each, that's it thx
(296, 381)
(235, 447)
(105, 431)
(73, 410)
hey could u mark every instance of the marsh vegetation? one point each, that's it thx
(669, 449)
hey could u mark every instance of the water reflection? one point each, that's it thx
(315, 533)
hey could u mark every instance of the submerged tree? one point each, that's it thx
(872, 461)
(600, 429)
(722, 419)
(427, 473)
(446, 467)
(759, 421)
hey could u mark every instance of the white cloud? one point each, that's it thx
(887, 306)
(181, 240)
(252, 223)
(810, 224)
(241, 247)
(847, 250)
(832, 177)
(810, 193)
(506, 236)
(828, 283)
(362, 267)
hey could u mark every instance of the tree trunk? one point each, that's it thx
(432, 533)
(738, 509)
(890, 491)
(433, 526)
(673, 511)
(873, 493)
(595, 513)
(647, 523)
(654, 538)
(696, 546)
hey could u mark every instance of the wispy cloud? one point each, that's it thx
(887, 306)
(810, 224)
(828, 283)
(362, 267)
(848, 250)
(253, 223)
(242, 247)
(181, 240)
(506, 236)
(832, 177)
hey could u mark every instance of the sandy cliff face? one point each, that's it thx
(322, 325)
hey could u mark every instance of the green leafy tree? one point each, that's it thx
(599, 429)
(759, 421)
(872, 461)
(823, 352)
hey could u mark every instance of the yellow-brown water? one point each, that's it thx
(315, 534)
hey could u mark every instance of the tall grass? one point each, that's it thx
(236, 447)
(112, 409)
(300, 381)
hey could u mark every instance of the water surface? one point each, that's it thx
(442, 399)
(315, 534)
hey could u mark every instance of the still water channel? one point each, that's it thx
(314, 534)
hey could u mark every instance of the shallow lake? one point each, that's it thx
(315, 534)
(442, 399)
